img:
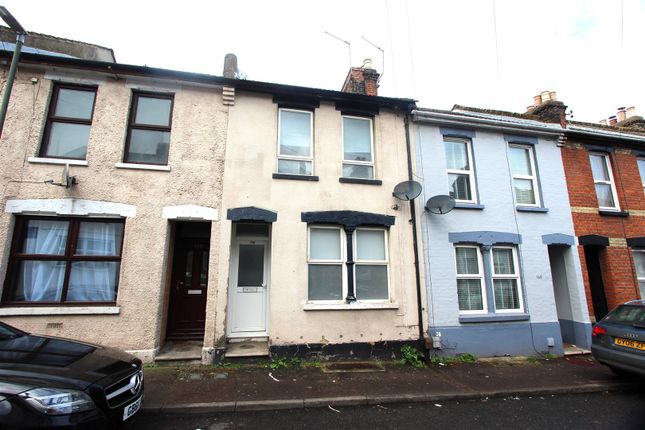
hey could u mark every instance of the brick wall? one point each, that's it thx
(616, 262)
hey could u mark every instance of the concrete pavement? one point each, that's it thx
(205, 389)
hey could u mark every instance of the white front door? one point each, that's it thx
(248, 311)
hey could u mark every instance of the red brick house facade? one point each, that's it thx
(605, 172)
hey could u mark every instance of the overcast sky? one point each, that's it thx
(488, 53)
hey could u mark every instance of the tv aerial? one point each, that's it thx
(407, 190)
(66, 181)
(440, 204)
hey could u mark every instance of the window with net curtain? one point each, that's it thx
(471, 277)
(65, 260)
(327, 275)
(603, 181)
(459, 169)
(295, 142)
(470, 280)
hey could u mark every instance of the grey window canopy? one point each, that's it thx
(251, 213)
(347, 218)
(485, 237)
(593, 240)
(558, 239)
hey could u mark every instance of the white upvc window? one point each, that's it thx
(525, 181)
(370, 267)
(603, 179)
(641, 170)
(327, 268)
(471, 290)
(295, 142)
(358, 147)
(460, 170)
(506, 279)
(326, 261)
(639, 262)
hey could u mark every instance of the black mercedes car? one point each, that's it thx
(60, 383)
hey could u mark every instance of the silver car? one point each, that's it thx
(618, 340)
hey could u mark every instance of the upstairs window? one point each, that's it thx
(459, 167)
(525, 186)
(68, 122)
(149, 129)
(358, 148)
(641, 170)
(295, 142)
(64, 260)
(603, 179)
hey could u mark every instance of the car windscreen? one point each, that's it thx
(7, 332)
(627, 315)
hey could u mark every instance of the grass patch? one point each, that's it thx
(459, 358)
(411, 357)
(227, 365)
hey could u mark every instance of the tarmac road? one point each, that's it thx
(616, 410)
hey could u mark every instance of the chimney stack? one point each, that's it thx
(230, 66)
(362, 80)
(626, 118)
(547, 108)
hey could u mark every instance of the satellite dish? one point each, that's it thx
(408, 190)
(440, 204)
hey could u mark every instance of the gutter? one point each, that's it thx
(591, 132)
(461, 120)
(415, 244)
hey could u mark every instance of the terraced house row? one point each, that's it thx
(161, 211)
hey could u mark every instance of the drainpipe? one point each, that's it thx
(12, 73)
(415, 244)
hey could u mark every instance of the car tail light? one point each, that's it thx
(598, 330)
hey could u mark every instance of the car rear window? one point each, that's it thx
(628, 315)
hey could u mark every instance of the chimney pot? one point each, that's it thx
(530, 108)
(552, 96)
(621, 115)
(612, 120)
(630, 112)
(544, 96)
(230, 66)
(367, 63)
(602, 122)
(537, 100)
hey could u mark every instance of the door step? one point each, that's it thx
(247, 347)
(180, 352)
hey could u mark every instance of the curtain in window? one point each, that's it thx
(469, 293)
(95, 280)
(467, 261)
(42, 280)
(503, 261)
(506, 294)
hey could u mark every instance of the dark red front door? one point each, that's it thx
(187, 310)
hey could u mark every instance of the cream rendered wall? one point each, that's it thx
(250, 163)
(196, 158)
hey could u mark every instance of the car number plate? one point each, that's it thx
(131, 409)
(634, 344)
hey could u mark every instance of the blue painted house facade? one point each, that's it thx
(502, 273)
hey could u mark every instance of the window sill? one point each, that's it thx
(43, 160)
(484, 318)
(360, 181)
(469, 206)
(621, 214)
(531, 209)
(142, 167)
(295, 177)
(59, 310)
(348, 306)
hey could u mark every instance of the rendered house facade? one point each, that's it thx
(502, 272)
(205, 209)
